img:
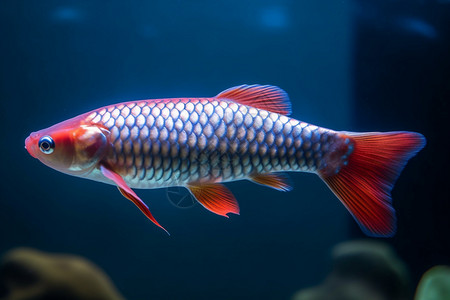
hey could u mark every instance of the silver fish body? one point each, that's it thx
(242, 133)
(173, 142)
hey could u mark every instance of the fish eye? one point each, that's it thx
(46, 144)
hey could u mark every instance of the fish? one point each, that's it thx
(243, 133)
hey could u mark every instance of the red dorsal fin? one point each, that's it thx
(216, 198)
(274, 180)
(265, 97)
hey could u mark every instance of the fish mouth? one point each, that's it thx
(29, 146)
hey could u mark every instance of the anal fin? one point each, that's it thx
(215, 197)
(276, 181)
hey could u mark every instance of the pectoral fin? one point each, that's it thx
(216, 198)
(128, 193)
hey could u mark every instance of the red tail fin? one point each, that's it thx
(364, 185)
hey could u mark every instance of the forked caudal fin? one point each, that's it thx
(364, 185)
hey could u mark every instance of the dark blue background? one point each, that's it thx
(62, 58)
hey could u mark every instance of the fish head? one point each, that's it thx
(72, 147)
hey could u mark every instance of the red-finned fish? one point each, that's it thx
(242, 133)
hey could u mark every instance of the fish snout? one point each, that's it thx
(30, 144)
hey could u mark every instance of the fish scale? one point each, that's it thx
(177, 141)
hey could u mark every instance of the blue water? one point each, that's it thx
(62, 58)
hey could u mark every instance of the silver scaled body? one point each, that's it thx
(174, 142)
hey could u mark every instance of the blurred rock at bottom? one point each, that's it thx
(435, 284)
(28, 274)
(362, 270)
